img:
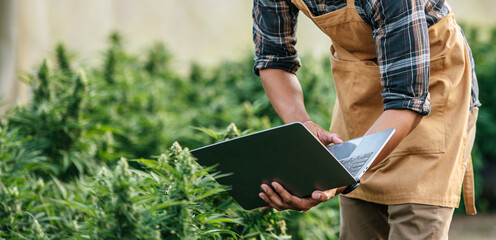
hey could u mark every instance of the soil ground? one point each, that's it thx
(478, 227)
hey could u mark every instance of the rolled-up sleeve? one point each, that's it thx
(274, 35)
(401, 36)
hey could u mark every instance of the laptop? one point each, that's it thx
(291, 155)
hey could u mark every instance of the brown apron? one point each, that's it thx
(429, 165)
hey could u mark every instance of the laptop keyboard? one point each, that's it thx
(354, 164)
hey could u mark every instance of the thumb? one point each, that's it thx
(336, 138)
(323, 196)
(327, 138)
(317, 195)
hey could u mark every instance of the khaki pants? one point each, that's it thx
(365, 220)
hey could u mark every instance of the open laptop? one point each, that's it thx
(291, 155)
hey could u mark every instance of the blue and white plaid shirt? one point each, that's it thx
(400, 31)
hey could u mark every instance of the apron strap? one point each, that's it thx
(468, 188)
(350, 3)
(468, 178)
(303, 7)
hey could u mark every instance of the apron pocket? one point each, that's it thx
(429, 137)
(359, 100)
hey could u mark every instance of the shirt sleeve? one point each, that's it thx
(274, 35)
(401, 36)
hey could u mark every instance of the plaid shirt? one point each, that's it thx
(401, 37)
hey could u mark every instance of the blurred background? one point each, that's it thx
(201, 39)
(198, 31)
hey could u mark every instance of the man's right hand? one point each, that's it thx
(324, 136)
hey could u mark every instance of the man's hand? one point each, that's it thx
(280, 199)
(324, 136)
(284, 92)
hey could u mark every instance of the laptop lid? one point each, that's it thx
(288, 154)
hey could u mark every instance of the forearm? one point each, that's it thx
(285, 94)
(403, 121)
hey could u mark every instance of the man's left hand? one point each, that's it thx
(281, 199)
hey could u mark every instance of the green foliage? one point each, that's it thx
(64, 171)
(171, 197)
(26, 210)
(484, 154)
(320, 222)
(63, 58)
(52, 124)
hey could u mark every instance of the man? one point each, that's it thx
(400, 64)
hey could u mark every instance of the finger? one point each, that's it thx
(265, 207)
(314, 129)
(333, 138)
(274, 198)
(340, 189)
(336, 139)
(327, 138)
(323, 196)
(295, 202)
(264, 197)
(330, 193)
(319, 196)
